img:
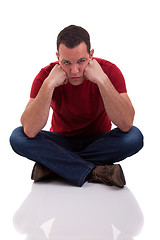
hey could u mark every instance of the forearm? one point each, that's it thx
(117, 106)
(36, 113)
(35, 116)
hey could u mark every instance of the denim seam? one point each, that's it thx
(82, 179)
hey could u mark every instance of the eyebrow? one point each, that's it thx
(83, 58)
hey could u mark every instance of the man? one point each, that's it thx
(86, 95)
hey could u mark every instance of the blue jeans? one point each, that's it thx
(74, 158)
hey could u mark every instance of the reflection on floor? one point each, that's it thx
(59, 211)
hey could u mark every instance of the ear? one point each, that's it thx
(91, 54)
(57, 54)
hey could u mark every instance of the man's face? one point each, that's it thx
(74, 61)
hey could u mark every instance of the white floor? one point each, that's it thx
(58, 210)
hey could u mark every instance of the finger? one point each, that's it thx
(66, 81)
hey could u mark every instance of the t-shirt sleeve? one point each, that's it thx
(37, 83)
(116, 77)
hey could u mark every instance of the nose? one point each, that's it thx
(74, 69)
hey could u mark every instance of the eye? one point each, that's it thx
(81, 61)
(66, 62)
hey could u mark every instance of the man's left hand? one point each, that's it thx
(94, 72)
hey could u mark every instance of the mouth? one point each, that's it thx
(75, 78)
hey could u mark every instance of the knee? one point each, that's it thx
(135, 139)
(16, 138)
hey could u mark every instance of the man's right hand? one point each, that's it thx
(57, 76)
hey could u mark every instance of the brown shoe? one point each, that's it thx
(40, 172)
(109, 175)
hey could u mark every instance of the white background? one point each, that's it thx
(124, 32)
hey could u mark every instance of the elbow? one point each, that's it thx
(29, 133)
(126, 128)
(128, 123)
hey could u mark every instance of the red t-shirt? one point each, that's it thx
(79, 110)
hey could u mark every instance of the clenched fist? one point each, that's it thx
(57, 76)
(94, 72)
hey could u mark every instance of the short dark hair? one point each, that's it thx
(72, 36)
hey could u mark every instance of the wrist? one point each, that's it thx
(48, 87)
(50, 83)
(103, 80)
